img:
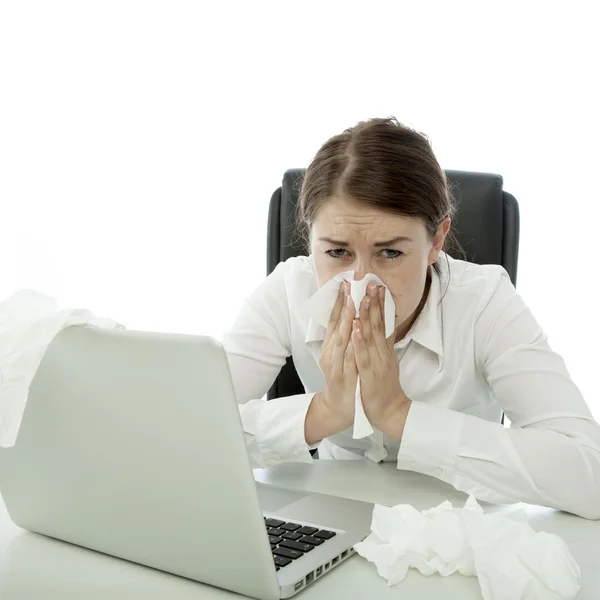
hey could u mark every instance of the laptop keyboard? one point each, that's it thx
(290, 541)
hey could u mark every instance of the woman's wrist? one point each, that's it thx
(393, 424)
(321, 421)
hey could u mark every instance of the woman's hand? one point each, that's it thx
(384, 401)
(337, 359)
(332, 410)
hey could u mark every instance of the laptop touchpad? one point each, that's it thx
(272, 499)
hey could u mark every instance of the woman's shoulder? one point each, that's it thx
(293, 279)
(466, 284)
(464, 274)
(277, 296)
(295, 266)
(297, 276)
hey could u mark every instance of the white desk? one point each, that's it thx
(34, 567)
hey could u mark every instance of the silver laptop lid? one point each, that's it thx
(131, 444)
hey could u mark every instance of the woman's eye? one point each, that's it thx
(392, 254)
(336, 253)
(388, 253)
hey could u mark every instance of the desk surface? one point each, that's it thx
(33, 566)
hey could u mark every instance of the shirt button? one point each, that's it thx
(296, 452)
(276, 457)
(437, 471)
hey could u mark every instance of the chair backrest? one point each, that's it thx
(486, 225)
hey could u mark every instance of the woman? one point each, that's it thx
(465, 346)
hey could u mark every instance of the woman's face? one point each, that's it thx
(348, 236)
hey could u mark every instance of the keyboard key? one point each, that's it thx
(291, 526)
(307, 539)
(275, 531)
(274, 539)
(324, 534)
(273, 523)
(297, 545)
(291, 535)
(307, 530)
(287, 552)
(282, 561)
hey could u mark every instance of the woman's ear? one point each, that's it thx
(438, 240)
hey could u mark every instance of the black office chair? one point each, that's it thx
(486, 225)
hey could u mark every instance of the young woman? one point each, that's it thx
(465, 347)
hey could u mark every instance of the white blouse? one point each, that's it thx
(474, 351)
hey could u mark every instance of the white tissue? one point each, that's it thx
(29, 321)
(511, 560)
(320, 306)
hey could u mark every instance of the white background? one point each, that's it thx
(140, 142)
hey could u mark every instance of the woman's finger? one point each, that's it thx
(361, 352)
(377, 323)
(363, 315)
(336, 312)
(341, 336)
(349, 366)
(391, 340)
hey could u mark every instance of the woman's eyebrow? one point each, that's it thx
(395, 240)
(376, 244)
(333, 242)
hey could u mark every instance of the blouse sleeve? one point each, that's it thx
(550, 455)
(257, 347)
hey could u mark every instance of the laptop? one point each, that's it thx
(131, 445)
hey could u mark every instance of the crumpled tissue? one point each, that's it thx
(29, 321)
(510, 559)
(319, 308)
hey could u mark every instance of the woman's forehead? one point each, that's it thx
(338, 216)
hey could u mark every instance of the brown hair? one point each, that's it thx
(383, 164)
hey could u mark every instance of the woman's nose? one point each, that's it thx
(362, 268)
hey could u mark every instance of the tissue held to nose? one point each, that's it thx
(358, 290)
